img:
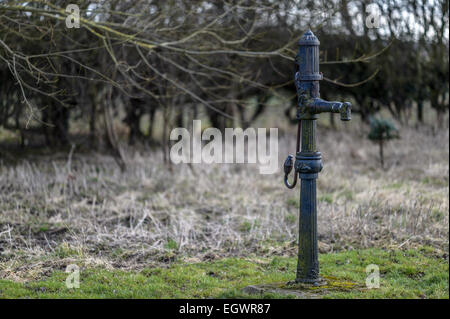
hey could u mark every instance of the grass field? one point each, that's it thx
(420, 273)
(208, 231)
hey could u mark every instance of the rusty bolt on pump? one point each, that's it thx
(308, 162)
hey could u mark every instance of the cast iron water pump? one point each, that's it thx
(308, 162)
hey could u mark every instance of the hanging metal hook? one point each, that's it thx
(288, 165)
(289, 162)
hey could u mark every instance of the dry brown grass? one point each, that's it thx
(54, 210)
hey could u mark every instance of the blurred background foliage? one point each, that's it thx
(135, 69)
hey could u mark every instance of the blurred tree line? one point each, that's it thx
(131, 59)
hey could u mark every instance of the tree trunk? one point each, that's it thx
(111, 135)
(440, 118)
(93, 118)
(381, 153)
(420, 112)
(151, 121)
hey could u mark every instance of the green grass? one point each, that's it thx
(420, 273)
(396, 185)
(328, 198)
(293, 201)
(435, 181)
